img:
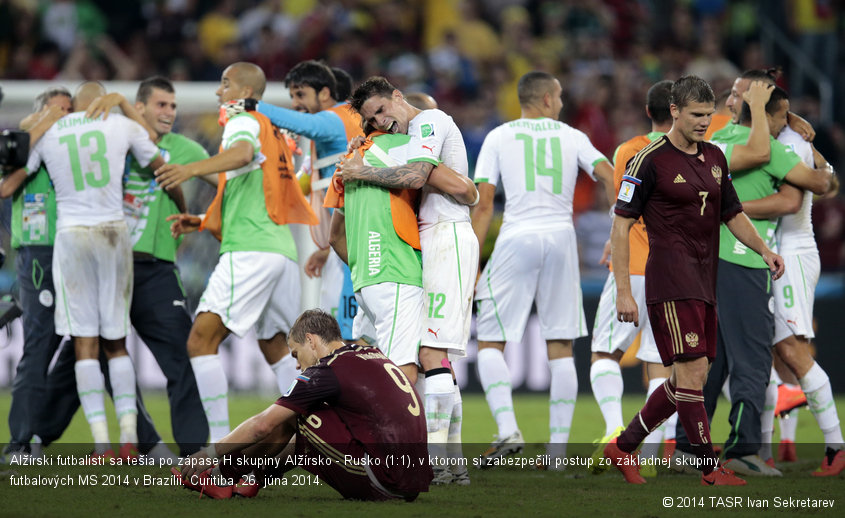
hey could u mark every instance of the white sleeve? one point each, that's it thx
(588, 155)
(33, 162)
(487, 169)
(428, 132)
(140, 145)
(242, 127)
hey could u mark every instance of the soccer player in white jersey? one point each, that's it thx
(449, 249)
(92, 259)
(794, 295)
(256, 280)
(536, 158)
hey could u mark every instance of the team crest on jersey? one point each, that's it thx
(427, 130)
(717, 173)
(692, 339)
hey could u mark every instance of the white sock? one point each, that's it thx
(606, 381)
(161, 452)
(776, 377)
(122, 377)
(767, 418)
(816, 386)
(669, 427)
(788, 425)
(420, 385)
(496, 382)
(285, 371)
(439, 403)
(214, 393)
(454, 447)
(652, 442)
(562, 395)
(91, 387)
(726, 389)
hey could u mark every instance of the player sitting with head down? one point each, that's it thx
(343, 434)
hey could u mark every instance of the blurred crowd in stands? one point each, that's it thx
(468, 54)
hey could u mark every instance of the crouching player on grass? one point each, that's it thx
(357, 421)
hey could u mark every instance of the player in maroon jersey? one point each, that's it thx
(358, 423)
(681, 187)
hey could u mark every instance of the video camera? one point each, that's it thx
(14, 149)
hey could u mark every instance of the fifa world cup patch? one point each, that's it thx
(427, 130)
(626, 191)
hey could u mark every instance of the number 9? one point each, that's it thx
(405, 386)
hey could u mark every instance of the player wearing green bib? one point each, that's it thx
(386, 270)
(743, 290)
(256, 280)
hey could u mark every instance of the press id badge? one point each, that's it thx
(35, 225)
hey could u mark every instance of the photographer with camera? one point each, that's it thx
(33, 230)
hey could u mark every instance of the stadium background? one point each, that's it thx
(468, 55)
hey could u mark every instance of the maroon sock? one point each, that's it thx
(659, 407)
(693, 418)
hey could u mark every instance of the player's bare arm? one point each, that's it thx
(104, 104)
(741, 227)
(482, 214)
(337, 236)
(801, 126)
(787, 200)
(604, 173)
(626, 306)
(252, 431)
(44, 120)
(817, 180)
(315, 263)
(758, 150)
(355, 143)
(36, 125)
(183, 224)
(821, 163)
(239, 155)
(458, 186)
(405, 176)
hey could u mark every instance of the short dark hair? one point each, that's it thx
(343, 84)
(317, 322)
(768, 75)
(691, 89)
(145, 89)
(312, 73)
(373, 86)
(46, 95)
(657, 101)
(778, 95)
(532, 86)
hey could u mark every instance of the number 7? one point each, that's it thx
(703, 195)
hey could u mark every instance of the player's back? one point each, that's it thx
(86, 159)
(537, 163)
(436, 138)
(382, 410)
(795, 231)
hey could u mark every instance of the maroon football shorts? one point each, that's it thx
(683, 329)
(331, 453)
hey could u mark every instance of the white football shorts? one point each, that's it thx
(253, 288)
(528, 267)
(92, 273)
(392, 313)
(794, 296)
(609, 334)
(450, 266)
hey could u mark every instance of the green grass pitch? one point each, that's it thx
(120, 491)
